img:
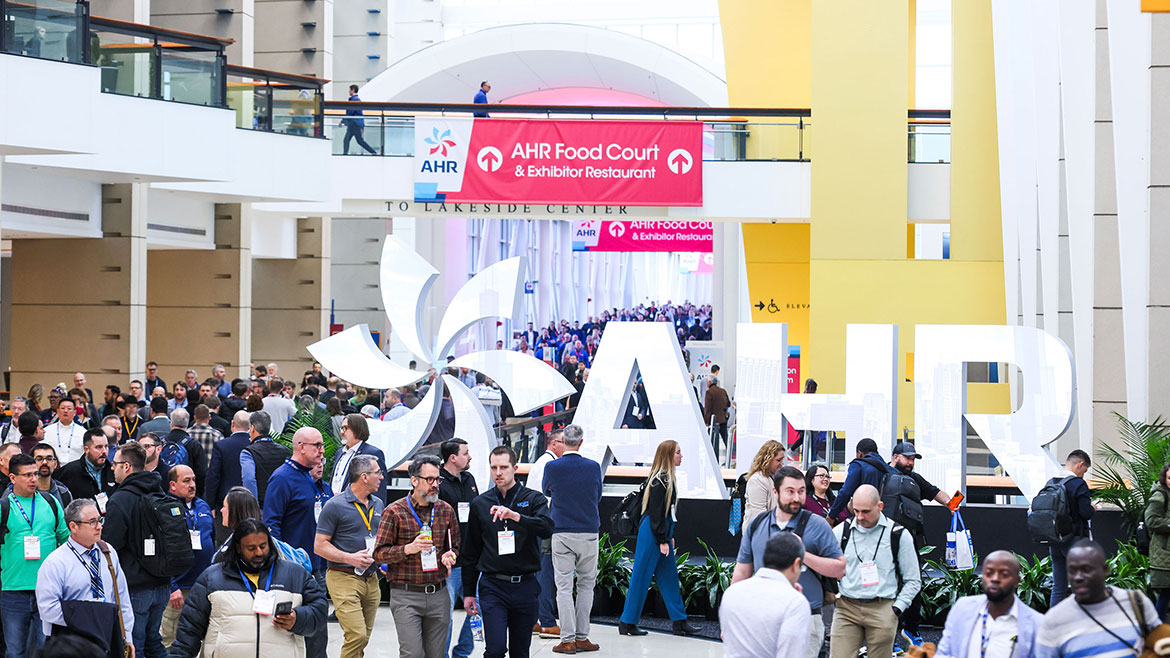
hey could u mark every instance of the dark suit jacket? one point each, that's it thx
(224, 471)
(376, 453)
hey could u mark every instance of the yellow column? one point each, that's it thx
(767, 45)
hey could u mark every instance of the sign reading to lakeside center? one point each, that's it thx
(633, 163)
(643, 235)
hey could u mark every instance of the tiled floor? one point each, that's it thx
(384, 643)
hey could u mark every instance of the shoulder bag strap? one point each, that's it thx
(845, 534)
(1139, 611)
(105, 548)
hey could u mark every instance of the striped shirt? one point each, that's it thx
(1109, 629)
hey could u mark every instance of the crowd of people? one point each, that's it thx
(189, 529)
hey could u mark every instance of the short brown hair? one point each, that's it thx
(504, 450)
(133, 454)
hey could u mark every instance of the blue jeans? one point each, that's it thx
(22, 623)
(1059, 555)
(466, 643)
(149, 603)
(547, 614)
(509, 612)
(650, 562)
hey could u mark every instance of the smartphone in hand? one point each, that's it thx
(955, 501)
(284, 608)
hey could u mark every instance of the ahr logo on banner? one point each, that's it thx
(489, 159)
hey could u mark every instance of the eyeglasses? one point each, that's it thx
(370, 472)
(117, 463)
(44, 458)
(317, 445)
(822, 475)
(429, 480)
(95, 523)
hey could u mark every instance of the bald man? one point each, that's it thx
(872, 596)
(291, 509)
(1010, 627)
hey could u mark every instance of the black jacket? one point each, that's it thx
(75, 478)
(125, 533)
(457, 489)
(481, 548)
(658, 510)
(224, 471)
(196, 457)
(268, 455)
(230, 406)
(1080, 505)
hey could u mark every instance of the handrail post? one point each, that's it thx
(319, 114)
(82, 30)
(221, 70)
(800, 138)
(3, 26)
(271, 117)
(156, 74)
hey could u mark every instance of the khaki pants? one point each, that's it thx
(574, 553)
(421, 621)
(170, 622)
(356, 599)
(869, 622)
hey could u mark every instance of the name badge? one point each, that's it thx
(196, 542)
(506, 540)
(370, 545)
(316, 511)
(148, 547)
(869, 574)
(101, 499)
(430, 560)
(464, 512)
(32, 548)
(264, 603)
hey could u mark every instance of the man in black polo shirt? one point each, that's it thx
(503, 544)
(457, 489)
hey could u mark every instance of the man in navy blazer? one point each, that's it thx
(354, 432)
(997, 617)
(224, 471)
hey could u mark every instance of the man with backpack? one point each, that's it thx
(180, 448)
(868, 468)
(822, 557)
(148, 529)
(881, 579)
(1060, 515)
(32, 526)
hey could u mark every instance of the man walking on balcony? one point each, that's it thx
(354, 127)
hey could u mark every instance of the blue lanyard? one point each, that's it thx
(248, 583)
(192, 518)
(297, 467)
(418, 520)
(25, 514)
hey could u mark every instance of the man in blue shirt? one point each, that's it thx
(481, 97)
(181, 485)
(574, 483)
(868, 468)
(291, 509)
(354, 127)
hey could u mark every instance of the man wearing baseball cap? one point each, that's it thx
(915, 486)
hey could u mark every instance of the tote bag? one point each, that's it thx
(960, 552)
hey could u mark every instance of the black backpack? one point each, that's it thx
(1050, 517)
(174, 453)
(625, 519)
(162, 519)
(6, 507)
(901, 498)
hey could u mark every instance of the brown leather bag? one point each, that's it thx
(105, 548)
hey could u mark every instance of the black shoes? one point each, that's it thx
(683, 627)
(630, 629)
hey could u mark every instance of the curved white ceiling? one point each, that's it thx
(520, 59)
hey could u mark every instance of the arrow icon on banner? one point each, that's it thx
(759, 305)
(679, 161)
(489, 158)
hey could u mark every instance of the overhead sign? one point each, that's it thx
(669, 235)
(634, 163)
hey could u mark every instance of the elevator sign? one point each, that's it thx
(483, 160)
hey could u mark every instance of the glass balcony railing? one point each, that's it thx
(151, 62)
(47, 29)
(275, 102)
(929, 143)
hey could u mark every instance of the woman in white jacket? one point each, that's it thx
(760, 495)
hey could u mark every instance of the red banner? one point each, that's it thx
(668, 235)
(633, 163)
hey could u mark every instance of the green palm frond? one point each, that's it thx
(1128, 475)
(317, 418)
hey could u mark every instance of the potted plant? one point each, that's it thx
(1129, 476)
(703, 584)
(613, 577)
(311, 415)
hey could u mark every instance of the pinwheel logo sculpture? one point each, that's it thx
(496, 292)
(440, 142)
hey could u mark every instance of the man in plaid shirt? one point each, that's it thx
(203, 432)
(417, 539)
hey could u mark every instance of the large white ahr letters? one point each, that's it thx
(1017, 439)
(651, 348)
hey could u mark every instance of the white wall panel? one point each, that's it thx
(1017, 196)
(1046, 67)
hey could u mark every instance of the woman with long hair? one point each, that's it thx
(654, 551)
(819, 498)
(1157, 519)
(760, 494)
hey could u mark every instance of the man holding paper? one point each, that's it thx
(345, 539)
(417, 538)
